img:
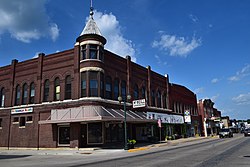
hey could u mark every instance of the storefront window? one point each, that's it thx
(64, 135)
(95, 135)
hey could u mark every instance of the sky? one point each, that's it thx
(203, 45)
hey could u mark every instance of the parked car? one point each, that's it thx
(247, 132)
(225, 132)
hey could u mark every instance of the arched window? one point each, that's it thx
(25, 94)
(83, 84)
(32, 93)
(124, 90)
(158, 99)
(136, 92)
(108, 88)
(68, 87)
(143, 93)
(153, 98)
(46, 91)
(18, 95)
(93, 84)
(116, 89)
(2, 97)
(57, 89)
(164, 100)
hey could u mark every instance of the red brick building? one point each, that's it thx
(70, 98)
(184, 102)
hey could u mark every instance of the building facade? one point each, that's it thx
(70, 98)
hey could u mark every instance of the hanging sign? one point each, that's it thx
(139, 103)
(166, 118)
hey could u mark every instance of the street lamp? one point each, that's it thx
(125, 119)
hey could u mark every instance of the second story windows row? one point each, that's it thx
(57, 89)
(25, 94)
(91, 51)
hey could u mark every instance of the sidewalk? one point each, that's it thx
(100, 151)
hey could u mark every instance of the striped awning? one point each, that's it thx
(94, 113)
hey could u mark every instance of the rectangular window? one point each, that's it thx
(64, 135)
(2, 101)
(83, 52)
(93, 84)
(95, 135)
(83, 84)
(29, 119)
(22, 122)
(93, 52)
(15, 120)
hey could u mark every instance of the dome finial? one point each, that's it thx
(91, 9)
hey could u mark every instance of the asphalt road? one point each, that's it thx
(229, 152)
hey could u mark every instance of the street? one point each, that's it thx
(228, 152)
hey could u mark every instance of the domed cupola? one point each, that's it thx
(91, 41)
(89, 50)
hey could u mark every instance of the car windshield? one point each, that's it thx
(247, 130)
(224, 130)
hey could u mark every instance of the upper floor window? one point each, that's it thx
(102, 84)
(124, 90)
(2, 97)
(46, 91)
(158, 99)
(18, 95)
(32, 93)
(108, 88)
(83, 84)
(93, 51)
(153, 98)
(25, 94)
(83, 52)
(57, 89)
(68, 87)
(136, 92)
(116, 89)
(93, 84)
(143, 93)
(164, 100)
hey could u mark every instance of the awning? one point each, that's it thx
(94, 113)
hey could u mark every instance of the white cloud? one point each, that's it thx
(26, 20)
(159, 61)
(215, 97)
(215, 80)
(245, 71)
(199, 90)
(242, 99)
(176, 46)
(111, 30)
(193, 18)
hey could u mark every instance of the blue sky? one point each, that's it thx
(203, 45)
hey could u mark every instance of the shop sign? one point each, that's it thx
(21, 110)
(166, 118)
(139, 103)
(187, 116)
